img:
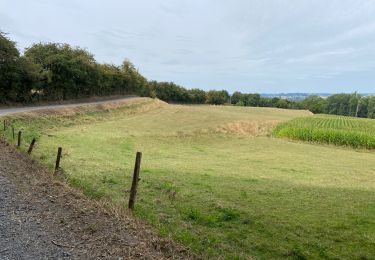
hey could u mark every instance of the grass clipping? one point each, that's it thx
(248, 128)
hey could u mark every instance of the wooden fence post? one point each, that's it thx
(19, 138)
(31, 147)
(133, 190)
(57, 166)
(13, 133)
(5, 125)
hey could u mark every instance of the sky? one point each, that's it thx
(264, 46)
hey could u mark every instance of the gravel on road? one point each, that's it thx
(12, 110)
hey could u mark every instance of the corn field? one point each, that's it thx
(337, 130)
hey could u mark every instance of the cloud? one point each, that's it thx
(357, 33)
(320, 56)
(270, 45)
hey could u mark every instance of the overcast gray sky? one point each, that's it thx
(265, 46)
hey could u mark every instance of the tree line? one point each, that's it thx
(339, 104)
(343, 104)
(54, 71)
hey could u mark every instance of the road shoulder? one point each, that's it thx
(42, 217)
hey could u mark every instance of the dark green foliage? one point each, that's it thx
(350, 105)
(217, 97)
(255, 100)
(134, 81)
(169, 91)
(353, 105)
(67, 72)
(18, 75)
(111, 80)
(52, 71)
(197, 96)
(73, 73)
(236, 98)
(371, 107)
(252, 100)
(315, 104)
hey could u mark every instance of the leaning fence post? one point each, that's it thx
(31, 147)
(133, 190)
(19, 138)
(57, 166)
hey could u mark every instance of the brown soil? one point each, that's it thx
(41, 217)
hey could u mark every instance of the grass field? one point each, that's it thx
(337, 130)
(213, 179)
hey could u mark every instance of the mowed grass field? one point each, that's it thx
(213, 179)
(337, 130)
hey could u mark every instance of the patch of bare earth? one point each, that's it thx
(251, 128)
(41, 217)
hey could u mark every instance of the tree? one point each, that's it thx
(197, 96)
(237, 97)
(9, 56)
(217, 97)
(338, 104)
(111, 80)
(67, 72)
(315, 104)
(134, 81)
(18, 75)
(282, 103)
(353, 104)
(363, 107)
(371, 107)
(252, 100)
(343, 104)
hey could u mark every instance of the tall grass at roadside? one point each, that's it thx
(337, 130)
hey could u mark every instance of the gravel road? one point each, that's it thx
(7, 111)
(22, 236)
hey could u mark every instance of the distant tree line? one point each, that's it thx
(255, 100)
(54, 71)
(342, 104)
(339, 104)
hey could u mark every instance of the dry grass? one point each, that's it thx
(251, 128)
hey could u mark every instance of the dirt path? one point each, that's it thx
(42, 218)
(7, 111)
